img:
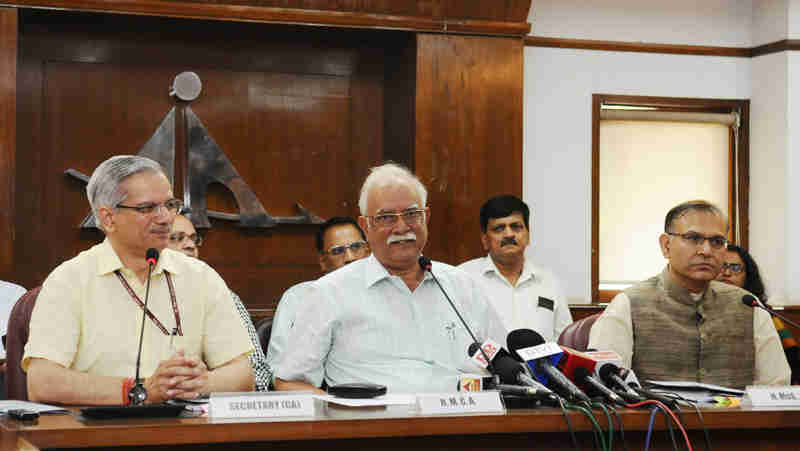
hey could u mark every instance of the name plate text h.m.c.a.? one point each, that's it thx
(772, 396)
(460, 402)
(261, 405)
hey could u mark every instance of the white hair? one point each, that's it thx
(390, 174)
(104, 188)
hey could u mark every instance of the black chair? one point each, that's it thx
(264, 330)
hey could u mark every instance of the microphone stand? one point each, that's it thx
(774, 313)
(138, 394)
(425, 264)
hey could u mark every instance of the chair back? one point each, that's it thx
(16, 338)
(264, 330)
(576, 335)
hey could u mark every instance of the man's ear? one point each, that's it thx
(485, 241)
(106, 217)
(427, 215)
(665, 243)
(362, 222)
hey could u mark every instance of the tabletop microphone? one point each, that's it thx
(512, 375)
(523, 339)
(425, 263)
(609, 373)
(751, 301)
(584, 377)
(614, 373)
(138, 394)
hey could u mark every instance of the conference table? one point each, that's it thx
(403, 427)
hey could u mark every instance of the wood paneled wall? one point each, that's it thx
(8, 134)
(301, 112)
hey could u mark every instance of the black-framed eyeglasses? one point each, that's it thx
(178, 237)
(355, 247)
(716, 241)
(733, 267)
(172, 206)
(410, 217)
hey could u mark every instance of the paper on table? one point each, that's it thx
(688, 385)
(384, 400)
(6, 405)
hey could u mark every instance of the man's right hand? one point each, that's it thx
(165, 381)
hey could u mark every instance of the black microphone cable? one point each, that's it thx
(563, 406)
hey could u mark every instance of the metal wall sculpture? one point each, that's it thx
(207, 163)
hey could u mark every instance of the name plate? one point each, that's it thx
(460, 402)
(539, 351)
(772, 396)
(261, 405)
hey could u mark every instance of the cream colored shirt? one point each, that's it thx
(85, 320)
(613, 331)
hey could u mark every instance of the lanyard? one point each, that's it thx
(148, 312)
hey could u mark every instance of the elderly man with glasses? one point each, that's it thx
(85, 327)
(382, 319)
(684, 325)
(339, 241)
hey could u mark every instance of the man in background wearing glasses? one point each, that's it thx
(684, 325)
(184, 238)
(85, 326)
(339, 241)
(381, 319)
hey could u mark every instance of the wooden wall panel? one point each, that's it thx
(8, 137)
(299, 114)
(469, 133)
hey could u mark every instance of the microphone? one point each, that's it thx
(490, 349)
(609, 373)
(751, 301)
(584, 377)
(516, 382)
(425, 264)
(522, 339)
(138, 394)
(617, 371)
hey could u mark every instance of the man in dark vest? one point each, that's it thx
(684, 325)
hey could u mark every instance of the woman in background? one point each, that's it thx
(739, 268)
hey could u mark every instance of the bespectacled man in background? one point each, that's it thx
(184, 238)
(339, 241)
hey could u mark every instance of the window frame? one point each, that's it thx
(738, 157)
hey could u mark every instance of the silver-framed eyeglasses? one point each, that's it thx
(355, 247)
(733, 267)
(410, 217)
(178, 237)
(695, 239)
(172, 206)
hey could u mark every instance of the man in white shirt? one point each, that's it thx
(383, 319)
(525, 295)
(684, 325)
(340, 241)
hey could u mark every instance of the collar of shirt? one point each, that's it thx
(374, 272)
(527, 270)
(108, 261)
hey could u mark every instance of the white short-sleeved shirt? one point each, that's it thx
(361, 324)
(284, 320)
(85, 320)
(536, 302)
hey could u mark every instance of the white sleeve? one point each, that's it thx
(771, 367)
(613, 330)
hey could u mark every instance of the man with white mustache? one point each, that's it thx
(382, 319)
(525, 295)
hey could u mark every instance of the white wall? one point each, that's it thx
(559, 84)
(690, 22)
(770, 22)
(768, 171)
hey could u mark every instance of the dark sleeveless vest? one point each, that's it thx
(678, 338)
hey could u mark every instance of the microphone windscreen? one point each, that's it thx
(151, 255)
(581, 374)
(521, 339)
(749, 300)
(508, 369)
(607, 370)
(424, 263)
(473, 348)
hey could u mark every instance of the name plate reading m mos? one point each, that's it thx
(460, 402)
(261, 405)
